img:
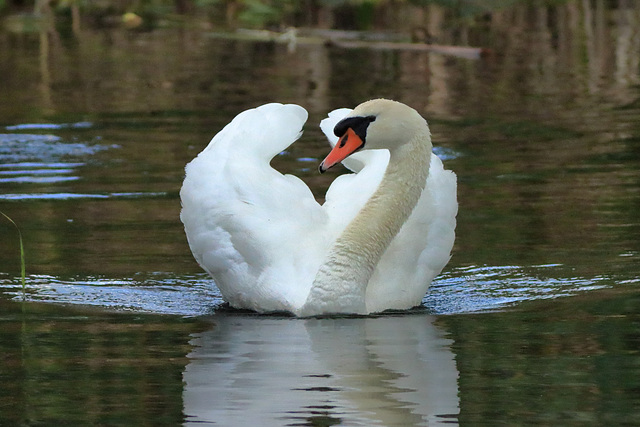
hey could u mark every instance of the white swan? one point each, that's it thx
(376, 243)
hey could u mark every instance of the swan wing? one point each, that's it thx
(255, 230)
(262, 236)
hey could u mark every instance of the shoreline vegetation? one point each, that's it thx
(361, 15)
(344, 24)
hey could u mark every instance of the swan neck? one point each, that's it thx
(341, 282)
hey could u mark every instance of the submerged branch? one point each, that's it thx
(458, 51)
(351, 40)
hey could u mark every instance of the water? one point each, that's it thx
(535, 321)
(322, 372)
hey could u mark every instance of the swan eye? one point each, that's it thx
(358, 124)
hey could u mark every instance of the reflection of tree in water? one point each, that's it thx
(562, 361)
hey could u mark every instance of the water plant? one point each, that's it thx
(22, 263)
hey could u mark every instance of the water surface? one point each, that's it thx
(535, 321)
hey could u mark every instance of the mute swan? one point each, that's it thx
(376, 243)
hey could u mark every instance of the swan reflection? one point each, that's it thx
(267, 371)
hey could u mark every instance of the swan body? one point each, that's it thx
(383, 233)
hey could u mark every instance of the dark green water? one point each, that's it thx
(535, 321)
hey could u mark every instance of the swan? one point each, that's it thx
(376, 243)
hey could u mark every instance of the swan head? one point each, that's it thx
(376, 124)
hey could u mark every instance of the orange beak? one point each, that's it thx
(348, 144)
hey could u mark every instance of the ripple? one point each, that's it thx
(39, 179)
(159, 293)
(35, 172)
(43, 149)
(461, 290)
(67, 196)
(488, 288)
(40, 159)
(50, 126)
(38, 172)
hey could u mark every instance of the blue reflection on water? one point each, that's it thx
(482, 288)
(40, 159)
(43, 150)
(67, 196)
(461, 290)
(50, 126)
(159, 293)
(445, 153)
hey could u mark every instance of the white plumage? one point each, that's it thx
(264, 238)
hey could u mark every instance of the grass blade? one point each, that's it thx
(22, 263)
